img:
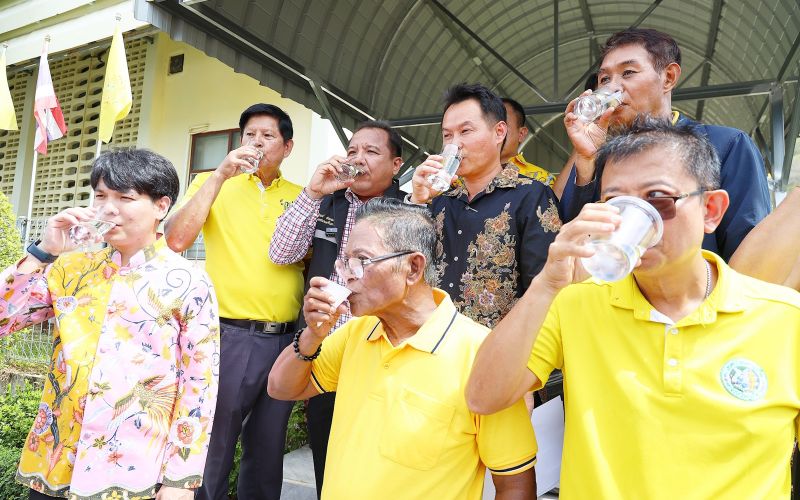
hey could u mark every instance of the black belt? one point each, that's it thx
(265, 327)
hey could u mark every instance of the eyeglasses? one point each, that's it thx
(665, 205)
(355, 265)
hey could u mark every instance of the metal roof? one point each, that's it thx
(393, 59)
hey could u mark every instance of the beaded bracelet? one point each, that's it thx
(297, 349)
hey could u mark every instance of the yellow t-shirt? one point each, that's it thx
(704, 408)
(401, 427)
(237, 234)
(532, 171)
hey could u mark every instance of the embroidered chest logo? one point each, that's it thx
(285, 204)
(66, 304)
(744, 379)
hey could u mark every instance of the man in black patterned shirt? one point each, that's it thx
(494, 225)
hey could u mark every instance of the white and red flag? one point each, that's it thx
(46, 110)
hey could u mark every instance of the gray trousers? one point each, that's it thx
(243, 407)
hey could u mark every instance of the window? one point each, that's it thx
(210, 148)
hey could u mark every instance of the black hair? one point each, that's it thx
(517, 108)
(395, 141)
(692, 147)
(662, 48)
(491, 105)
(141, 170)
(284, 122)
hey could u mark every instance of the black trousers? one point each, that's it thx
(319, 415)
(243, 407)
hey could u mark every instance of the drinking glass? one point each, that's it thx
(616, 254)
(91, 232)
(440, 181)
(590, 107)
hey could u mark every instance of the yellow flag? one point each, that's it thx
(117, 98)
(8, 117)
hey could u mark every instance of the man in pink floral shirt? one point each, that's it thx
(129, 401)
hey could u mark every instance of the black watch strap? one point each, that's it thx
(40, 254)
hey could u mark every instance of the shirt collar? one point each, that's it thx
(275, 184)
(353, 198)
(724, 298)
(141, 257)
(431, 334)
(508, 177)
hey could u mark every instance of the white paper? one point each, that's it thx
(548, 422)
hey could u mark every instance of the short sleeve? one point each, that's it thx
(506, 441)
(191, 190)
(547, 353)
(325, 369)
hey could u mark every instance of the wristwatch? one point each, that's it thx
(40, 254)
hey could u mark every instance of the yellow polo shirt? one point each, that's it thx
(237, 234)
(401, 427)
(704, 408)
(532, 171)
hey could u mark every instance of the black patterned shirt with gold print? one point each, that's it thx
(490, 248)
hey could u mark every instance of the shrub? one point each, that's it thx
(18, 411)
(10, 240)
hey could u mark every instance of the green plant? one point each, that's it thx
(9, 488)
(18, 411)
(10, 241)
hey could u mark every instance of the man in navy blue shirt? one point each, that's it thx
(645, 65)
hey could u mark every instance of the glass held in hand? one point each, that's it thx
(91, 232)
(616, 254)
(589, 107)
(441, 180)
(253, 160)
(348, 171)
(338, 292)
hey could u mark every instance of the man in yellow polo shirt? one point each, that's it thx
(517, 132)
(258, 300)
(681, 380)
(401, 428)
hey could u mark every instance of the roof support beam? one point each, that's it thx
(536, 90)
(711, 44)
(781, 74)
(755, 87)
(778, 144)
(582, 79)
(791, 140)
(555, 47)
(594, 50)
(327, 111)
(688, 77)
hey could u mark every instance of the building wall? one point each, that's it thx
(207, 96)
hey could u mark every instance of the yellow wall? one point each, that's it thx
(207, 96)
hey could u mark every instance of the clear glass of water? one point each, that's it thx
(91, 232)
(441, 180)
(617, 254)
(253, 160)
(349, 170)
(590, 107)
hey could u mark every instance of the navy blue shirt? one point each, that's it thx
(490, 248)
(742, 175)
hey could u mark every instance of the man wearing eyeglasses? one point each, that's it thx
(401, 426)
(319, 221)
(681, 379)
(645, 65)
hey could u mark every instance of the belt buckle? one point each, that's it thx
(269, 327)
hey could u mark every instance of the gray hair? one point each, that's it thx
(690, 146)
(402, 227)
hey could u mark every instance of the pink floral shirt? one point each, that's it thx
(129, 399)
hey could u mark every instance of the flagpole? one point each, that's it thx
(29, 225)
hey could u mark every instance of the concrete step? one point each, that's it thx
(298, 476)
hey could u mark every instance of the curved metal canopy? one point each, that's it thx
(349, 59)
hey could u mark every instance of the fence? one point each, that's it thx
(34, 344)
